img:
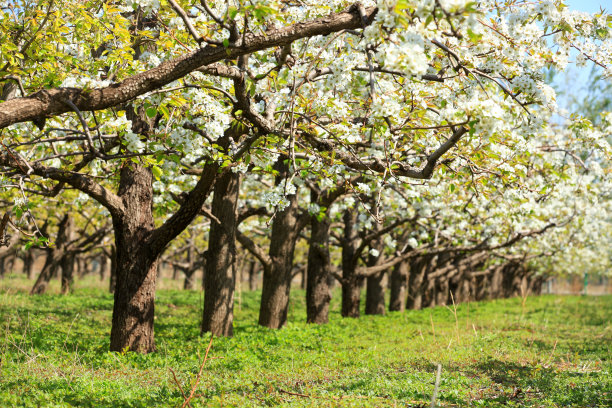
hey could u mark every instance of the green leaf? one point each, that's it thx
(157, 172)
(163, 109)
(151, 111)
(232, 12)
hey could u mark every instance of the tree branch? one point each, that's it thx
(49, 102)
(81, 182)
(253, 248)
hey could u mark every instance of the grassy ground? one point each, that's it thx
(543, 352)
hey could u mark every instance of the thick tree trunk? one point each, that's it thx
(442, 292)
(277, 276)
(351, 282)
(304, 278)
(189, 282)
(460, 287)
(495, 283)
(67, 264)
(28, 263)
(136, 267)
(375, 294)
(508, 281)
(252, 276)
(416, 282)
(112, 283)
(535, 284)
(219, 275)
(10, 261)
(318, 294)
(104, 267)
(398, 281)
(54, 257)
(83, 266)
(375, 290)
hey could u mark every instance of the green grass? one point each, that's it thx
(551, 351)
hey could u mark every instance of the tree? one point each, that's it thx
(341, 90)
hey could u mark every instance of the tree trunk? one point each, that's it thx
(252, 276)
(442, 292)
(277, 276)
(495, 285)
(219, 275)
(416, 282)
(189, 282)
(399, 281)
(10, 261)
(375, 294)
(104, 264)
(535, 284)
(112, 283)
(54, 257)
(318, 294)
(67, 264)
(508, 281)
(28, 263)
(304, 280)
(83, 266)
(133, 311)
(375, 290)
(351, 282)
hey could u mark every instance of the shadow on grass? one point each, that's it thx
(74, 392)
(535, 382)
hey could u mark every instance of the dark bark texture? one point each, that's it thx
(398, 284)
(136, 266)
(219, 275)
(277, 275)
(50, 102)
(375, 290)
(351, 281)
(318, 294)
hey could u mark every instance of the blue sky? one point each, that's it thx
(578, 77)
(591, 6)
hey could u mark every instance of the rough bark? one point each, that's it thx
(277, 275)
(535, 284)
(398, 285)
(136, 265)
(252, 276)
(416, 282)
(28, 263)
(50, 102)
(67, 264)
(318, 271)
(375, 290)
(112, 282)
(351, 281)
(219, 275)
(442, 292)
(189, 283)
(104, 266)
(495, 283)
